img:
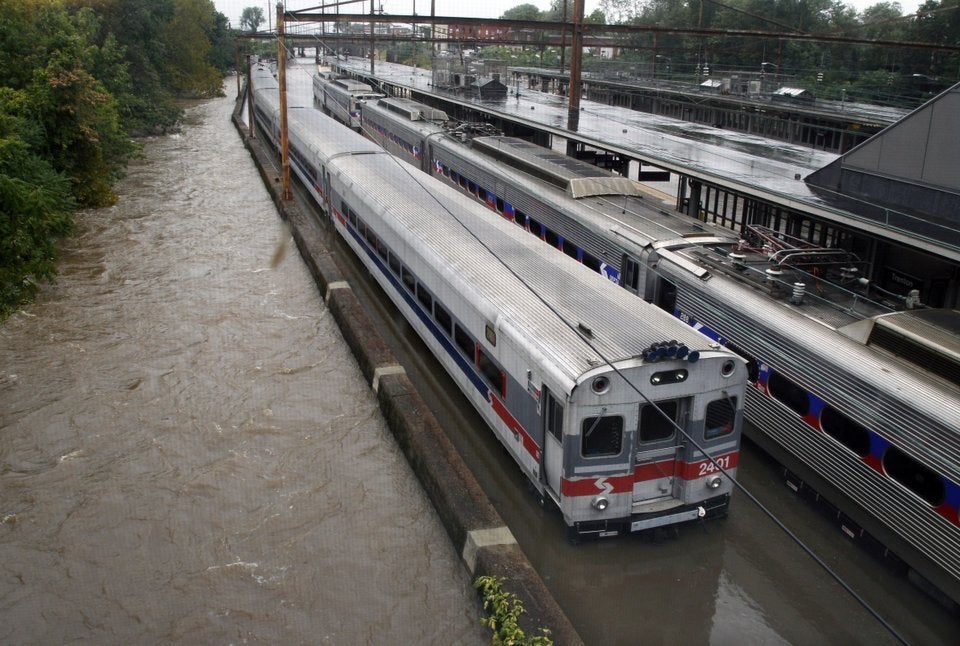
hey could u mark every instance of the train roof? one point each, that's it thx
(506, 270)
(577, 178)
(412, 110)
(505, 273)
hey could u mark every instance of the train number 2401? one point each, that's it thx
(706, 468)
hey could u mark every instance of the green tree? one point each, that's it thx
(144, 100)
(251, 18)
(35, 208)
(525, 11)
(188, 49)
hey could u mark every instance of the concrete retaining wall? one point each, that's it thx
(476, 529)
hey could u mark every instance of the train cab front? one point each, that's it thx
(652, 444)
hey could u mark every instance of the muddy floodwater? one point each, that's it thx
(188, 452)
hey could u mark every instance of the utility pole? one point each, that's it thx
(373, 42)
(282, 81)
(250, 120)
(576, 55)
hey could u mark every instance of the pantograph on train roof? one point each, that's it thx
(577, 178)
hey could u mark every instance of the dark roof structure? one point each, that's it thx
(907, 176)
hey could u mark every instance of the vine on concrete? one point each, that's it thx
(504, 610)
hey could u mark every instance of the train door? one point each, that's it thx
(659, 449)
(552, 443)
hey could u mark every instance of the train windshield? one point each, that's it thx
(602, 436)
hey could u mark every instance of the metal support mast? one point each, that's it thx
(576, 56)
(282, 81)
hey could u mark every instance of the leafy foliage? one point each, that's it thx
(251, 18)
(504, 614)
(910, 74)
(77, 77)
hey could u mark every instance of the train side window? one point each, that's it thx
(601, 436)
(463, 182)
(916, 477)
(408, 280)
(535, 228)
(425, 298)
(464, 342)
(520, 218)
(472, 187)
(394, 264)
(631, 274)
(382, 249)
(591, 261)
(720, 418)
(845, 430)
(454, 177)
(789, 394)
(492, 373)
(499, 205)
(482, 194)
(554, 413)
(570, 249)
(653, 425)
(551, 237)
(443, 318)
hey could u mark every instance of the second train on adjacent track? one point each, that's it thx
(858, 400)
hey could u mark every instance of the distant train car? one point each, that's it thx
(342, 97)
(858, 401)
(622, 416)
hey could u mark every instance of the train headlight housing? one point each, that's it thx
(714, 482)
(600, 503)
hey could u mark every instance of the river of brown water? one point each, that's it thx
(188, 452)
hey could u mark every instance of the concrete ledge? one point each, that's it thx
(476, 529)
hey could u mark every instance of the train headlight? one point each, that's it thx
(600, 503)
(714, 482)
(728, 368)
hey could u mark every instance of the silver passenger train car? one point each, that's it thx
(860, 402)
(622, 416)
(341, 98)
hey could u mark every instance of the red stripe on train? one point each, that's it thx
(593, 485)
(515, 427)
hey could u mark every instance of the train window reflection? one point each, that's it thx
(425, 298)
(720, 418)
(394, 264)
(789, 394)
(916, 477)
(845, 430)
(491, 372)
(443, 318)
(655, 425)
(601, 436)
(554, 413)
(551, 237)
(408, 279)
(591, 261)
(464, 342)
